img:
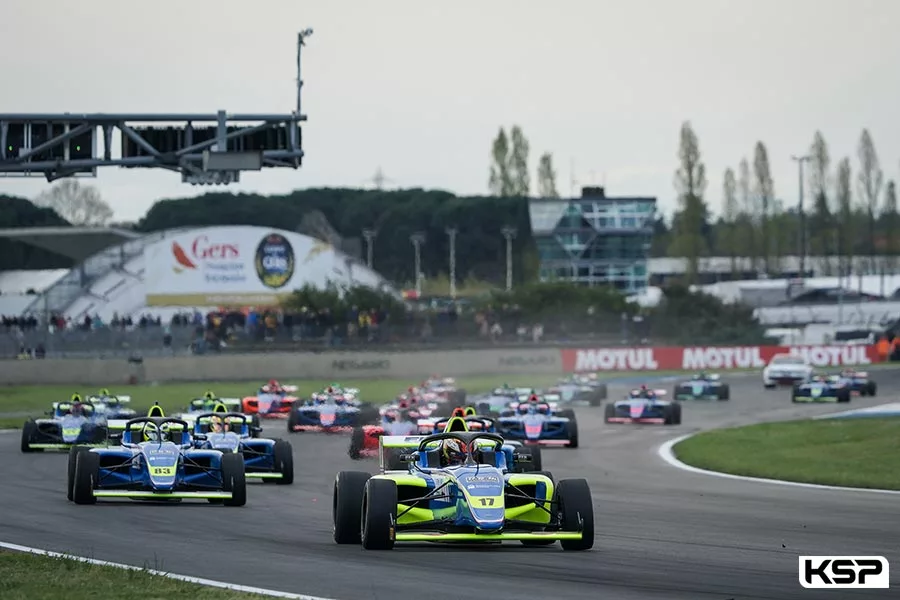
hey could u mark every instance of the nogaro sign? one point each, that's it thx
(241, 266)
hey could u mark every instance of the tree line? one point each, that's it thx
(849, 211)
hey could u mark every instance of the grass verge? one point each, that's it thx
(859, 453)
(29, 576)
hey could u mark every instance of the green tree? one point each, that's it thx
(843, 191)
(890, 228)
(690, 222)
(519, 173)
(764, 191)
(748, 213)
(822, 239)
(500, 182)
(76, 203)
(730, 213)
(870, 181)
(546, 177)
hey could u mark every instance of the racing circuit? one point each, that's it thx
(661, 532)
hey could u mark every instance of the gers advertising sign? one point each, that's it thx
(241, 266)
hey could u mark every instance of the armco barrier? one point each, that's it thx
(286, 366)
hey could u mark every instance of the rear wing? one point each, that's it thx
(292, 389)
(714, 377)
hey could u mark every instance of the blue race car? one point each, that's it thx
(536, 422)
(112, 406)
(268, 460)
(644, 405)
(330, 414)
(858, 382)
(156, 461)
(209, 402)
(702, 386)
(819, 388)
(70, 423)
(458, 487)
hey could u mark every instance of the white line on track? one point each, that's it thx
(186, 578)
(667, 453)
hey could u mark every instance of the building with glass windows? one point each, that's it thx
(595, 239)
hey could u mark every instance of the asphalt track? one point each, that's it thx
(661, 532)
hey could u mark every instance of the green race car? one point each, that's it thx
(458, 487)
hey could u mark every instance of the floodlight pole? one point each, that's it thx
(301, 37)
(369, 235)
(451, 233)
(417, 240)
(509, 233)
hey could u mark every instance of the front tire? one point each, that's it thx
(74, 451)
(29, 428)
(379, 514)
(87, 473)
(573, 434)
(576, 504)
(234, 479)
(357, 442)
(346, 508)
(284, 462)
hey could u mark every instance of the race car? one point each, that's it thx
(445, 388)
(272, 401)
(394, 421)
(644, 405)
(156, 461)
(537, 422)
(338, 392)
(458, 487)
(111, 406)
(209, 402)
(702, 386)
(581, 389)
(329, 414)
(786, 369)
(498, 399)
(69, 424)
(268, 460)
(821, 389)
(857, 381)
(418, 405)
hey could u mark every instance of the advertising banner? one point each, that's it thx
(676, 358)
(243, 266)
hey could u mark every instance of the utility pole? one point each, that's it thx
(801, 214)
(369, 235)
(451, 233)
(301, 41)
(417, 240)
(509, 233)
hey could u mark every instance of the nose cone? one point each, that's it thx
(636, 410)
(533, 430)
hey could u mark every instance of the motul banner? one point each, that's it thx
(676, 358)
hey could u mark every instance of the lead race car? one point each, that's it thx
(702, 386)
(156, 461)
(458, 487)
(69, 424)
(821, 389)
(644, 405)
(264, 459)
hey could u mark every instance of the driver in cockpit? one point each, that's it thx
(643, 392)
(453, 453)
(218, 425)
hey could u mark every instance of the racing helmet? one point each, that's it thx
(104, 393)
(459, 411)
(77, 408)
(218, 424)
(151, 433)
(453, 452)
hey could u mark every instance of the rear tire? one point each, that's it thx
(872, 388)
(724, 392)
(575, 502)
(234, 480)
(609, 412)
(673, 414)
(29, 428)
(87, 473)
(74, 451)
(844, 396)
(346, 508)
(573, 433)
(379, 514)
(284, 462)
(357, 442)
(293, 421)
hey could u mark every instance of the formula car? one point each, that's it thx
(394, 421)
(857, 381)
(69, 424)
(268, 460)
(209, 402)
(329, 414)
(581, 389)
(155, 461)
(272, 401)
(458, 488)
(537, 422)
(499, 399)
(445, 388)
(702, 386)
(644, 406)
(821, 389)
(111, 406)
(418, 404)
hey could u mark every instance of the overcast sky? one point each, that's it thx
(420, 88)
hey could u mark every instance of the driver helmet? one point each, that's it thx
(273, 384)
(389, 416)
(453, 452)
(329, 390)
(151, 434)
(404, 403)
(533, 397)
(218, 425)
(104, 393)
(77, 407)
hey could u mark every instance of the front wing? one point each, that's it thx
(152, 495)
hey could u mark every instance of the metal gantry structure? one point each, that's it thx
(205, 149)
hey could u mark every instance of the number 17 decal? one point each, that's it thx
(486, 501)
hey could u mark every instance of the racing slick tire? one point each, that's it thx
(609, 412)
(575, 504)
(283, 455)
(724, 392)
(566, 413)
(29, 428)
(573, 434)
(255, 426)
(673, 414)
(357, 442)
(346, 507)
(871, 388)
(844, 396)
(293, 420)
(74, 451)
(234, 479)
(368, 415)
(379, 514)
(87, 472)
(769, 386)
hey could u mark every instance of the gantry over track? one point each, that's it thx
(205, 148)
